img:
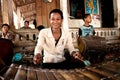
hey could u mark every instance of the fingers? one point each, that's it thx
(78, 56)
(37, 59)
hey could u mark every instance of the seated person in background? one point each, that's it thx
(26, 25)
(5, 33)
(53, 42)
(86, 29)
(40, 27)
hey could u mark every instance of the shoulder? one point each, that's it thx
(91, 26)
(1, 32)
(22, 27)
(83, 27)
(65, 32)
(45, 31)
(10, 32)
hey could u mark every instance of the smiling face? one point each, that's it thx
(55, 20)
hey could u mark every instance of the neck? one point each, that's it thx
(56, 30)
(5, 33)
(86, 24)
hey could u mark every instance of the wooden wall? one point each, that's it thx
(43, 9)
(0, 14)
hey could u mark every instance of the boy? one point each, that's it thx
(86, 29)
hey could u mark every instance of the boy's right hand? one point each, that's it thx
(37, 59)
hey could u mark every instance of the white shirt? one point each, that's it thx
(9, 35)
(52, 53)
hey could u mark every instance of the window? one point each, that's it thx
(107, 13)
(76, 9)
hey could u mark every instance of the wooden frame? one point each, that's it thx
(91, 6)
(76, 9)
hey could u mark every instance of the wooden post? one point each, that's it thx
(10, 12)
(1, 19)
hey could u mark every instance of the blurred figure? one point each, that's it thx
(26, 25)
(40, 27)
(5, 33)
(35, 23)
(86, 29)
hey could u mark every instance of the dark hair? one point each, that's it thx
(40, 27)
(85, 16)
(26, 22)
(56, 11)
(5, 25)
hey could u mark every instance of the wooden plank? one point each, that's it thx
(112, 38)
(57, 75)
(21, 73)
(89, 74)
(50, 75)
(50, 6)
(31, 74)
(10, 74)
(1, 21)
(82, 77)
(44, 14)
(41, 74)
(113, 42)
(110, 73)
(67, 75)
(79, 76)
(39, 12)
(111, 68)
(94, 69)
(58, 4)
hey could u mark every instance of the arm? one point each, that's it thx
(94, 32)
(38, 49)
(11, 36)
(73, 52)
(79, 32)
(69, 43)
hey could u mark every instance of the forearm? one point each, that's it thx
(38, 50)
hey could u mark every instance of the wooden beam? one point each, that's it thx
(28, 7)
(25, 4)
(20, 3)
(32, 15)
(29, 13)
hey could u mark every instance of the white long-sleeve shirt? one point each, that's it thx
(52, 53)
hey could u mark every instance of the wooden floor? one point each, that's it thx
(107, 70)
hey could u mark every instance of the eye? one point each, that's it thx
(58, 19)
(52, 19)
